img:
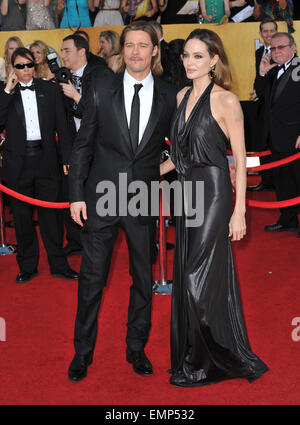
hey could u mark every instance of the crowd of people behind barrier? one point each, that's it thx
(19, 15)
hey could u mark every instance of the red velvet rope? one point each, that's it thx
(251, 154)
(61, 205)
(275, 204)
(275, 163)
(33, 201)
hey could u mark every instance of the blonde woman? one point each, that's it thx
(40, 51)
(10, 46)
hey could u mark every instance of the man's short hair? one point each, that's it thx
(156, 25)
(287, 35)
(79, 42)
(82, 34)
(267, 20)
(24, 53)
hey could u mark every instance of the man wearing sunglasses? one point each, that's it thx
(32, 112)
(280, 89)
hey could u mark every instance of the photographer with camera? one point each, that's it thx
(75, 55)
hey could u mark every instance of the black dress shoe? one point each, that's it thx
(68, 274)
(259, 187)
(26, 276)
(140, 362)
(78, 367)
(69, 250)
(277, 227)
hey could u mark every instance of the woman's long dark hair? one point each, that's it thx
(215, 47)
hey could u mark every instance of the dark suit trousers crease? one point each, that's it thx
(44, 188)
(72, 229)
(98, 241)
(287, 186)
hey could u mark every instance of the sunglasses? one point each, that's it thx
(22, 65)
(280, 48)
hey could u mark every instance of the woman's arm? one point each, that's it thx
(257, 10)
(91, 5)
(166, 167)
(4, 7)
(234, 122)
(203, 11)
(153, 10)
(227, 8)
(124, 7)
(162, 4)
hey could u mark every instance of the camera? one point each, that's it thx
(62, 74)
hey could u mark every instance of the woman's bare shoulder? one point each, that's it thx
(225, 98)
(180, 95)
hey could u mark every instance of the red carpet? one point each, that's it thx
(40, 316)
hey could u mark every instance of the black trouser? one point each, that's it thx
(45, 188)
(98, 240)
(287, 185)
(72, 229)
(266, 175)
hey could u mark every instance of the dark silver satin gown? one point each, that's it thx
(209, 341)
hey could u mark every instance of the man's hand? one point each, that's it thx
(70, 91)
(66, 169)
(297, 146)
(253, 96)
(12, 81)
(265, 65)
(78, 210)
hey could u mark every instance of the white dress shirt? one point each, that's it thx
(33, 130)
(146, 99)
(79, 73)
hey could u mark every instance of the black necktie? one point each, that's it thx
(135, 117)
(27, 87)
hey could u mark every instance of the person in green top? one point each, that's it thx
(214, 10)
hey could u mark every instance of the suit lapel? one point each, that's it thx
(19, 108)
(118, 103)
(156, 111)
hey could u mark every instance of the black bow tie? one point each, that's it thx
(27, 87)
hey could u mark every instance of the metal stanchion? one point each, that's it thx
(4, 248)
(162, 286)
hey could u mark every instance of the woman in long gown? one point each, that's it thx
(209, 341)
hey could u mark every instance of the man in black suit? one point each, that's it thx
(267, 28)
(126, 119)
(76, 57)
(280, 90)
(32, 112)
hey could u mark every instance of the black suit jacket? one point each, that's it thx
(281, 109)
(103, 147)
(258, 57)
(52, 120)
(94, 62)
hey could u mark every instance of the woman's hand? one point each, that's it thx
(237, 226)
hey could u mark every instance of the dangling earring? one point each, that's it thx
(212, 72)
